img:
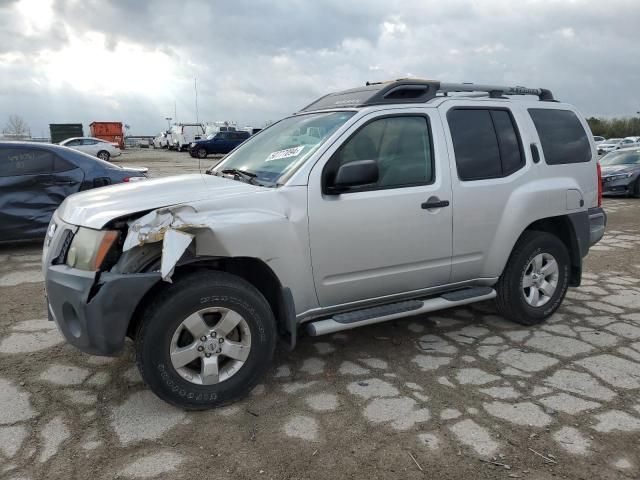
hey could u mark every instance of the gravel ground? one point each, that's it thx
(459, 393)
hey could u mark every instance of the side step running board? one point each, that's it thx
(368, 316)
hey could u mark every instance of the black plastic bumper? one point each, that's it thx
(94, 315)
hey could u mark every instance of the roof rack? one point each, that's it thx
(412, 90)
(496, 91)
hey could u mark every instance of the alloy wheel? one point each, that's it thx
(210, 345)
(540, 280)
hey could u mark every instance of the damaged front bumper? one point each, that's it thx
(93, 311)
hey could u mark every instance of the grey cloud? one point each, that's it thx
(257, 61)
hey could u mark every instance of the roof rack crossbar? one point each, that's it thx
(496, 90)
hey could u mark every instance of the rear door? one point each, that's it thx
(488, 168)
(33, 183)
(92, 147)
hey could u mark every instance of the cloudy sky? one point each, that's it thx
(255, 60)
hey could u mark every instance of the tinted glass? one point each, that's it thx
(61, 165)
(280, 149)
(25, 161)
(475, 144)
(510, 152)
(562, 136)
(631, 157)
(400, 145)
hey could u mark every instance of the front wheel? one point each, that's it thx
(206, 340)
(636, 190)
(103, 155)
(202, 153)
(535, 280)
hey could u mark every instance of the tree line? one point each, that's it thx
(615, 127)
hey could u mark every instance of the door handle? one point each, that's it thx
(434, 202)
(535, 153)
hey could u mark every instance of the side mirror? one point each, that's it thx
(354, 174)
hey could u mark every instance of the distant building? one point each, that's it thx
(15, 137)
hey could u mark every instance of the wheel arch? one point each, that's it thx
(570, 229)
(253, 270)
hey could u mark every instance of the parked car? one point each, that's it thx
(628, 142)
(609, 145)
(621, 172)
(161, 140)
(321, 233)
(35, 178)
(97, 147)
(598, 140)
(220, 143)
(183, 134)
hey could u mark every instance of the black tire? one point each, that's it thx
(511, 301)
(201, 153)
(636, 190)
(165, 314)
(103, 155)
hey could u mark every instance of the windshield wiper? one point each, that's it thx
(249, 177)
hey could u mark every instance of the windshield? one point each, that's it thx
(282, 148)
(622, 158)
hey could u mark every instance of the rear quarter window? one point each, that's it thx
(562, 136)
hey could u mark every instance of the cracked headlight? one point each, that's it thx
(90, 247)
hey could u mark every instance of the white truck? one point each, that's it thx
(183, 134)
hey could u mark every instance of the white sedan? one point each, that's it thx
(97, 147)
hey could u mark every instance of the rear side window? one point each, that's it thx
(61, 165)
(562, 136)
(485, 142)
(25, 161)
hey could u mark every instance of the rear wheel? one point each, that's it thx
(103, 155)
(535, 280)
(206, 340)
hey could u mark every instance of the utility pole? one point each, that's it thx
(195, 87)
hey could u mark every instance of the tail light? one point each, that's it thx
(133, 179)
(599, 184)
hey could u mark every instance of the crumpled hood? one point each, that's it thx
(611, 169)
(95, 208)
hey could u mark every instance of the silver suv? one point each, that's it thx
(368, 205)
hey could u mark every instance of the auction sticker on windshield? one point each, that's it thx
(286, 153)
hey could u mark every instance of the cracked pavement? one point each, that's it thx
(462, 391)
